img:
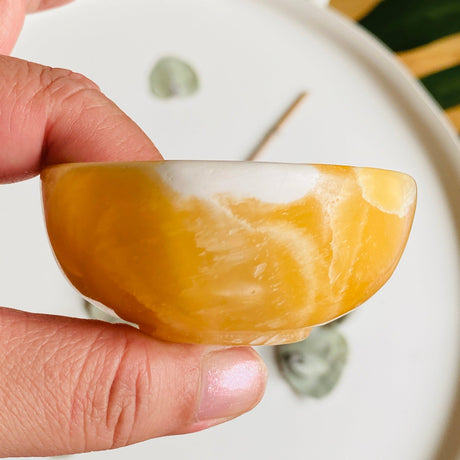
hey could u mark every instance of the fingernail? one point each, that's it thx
(233, 382)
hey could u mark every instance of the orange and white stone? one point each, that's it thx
(227, 252)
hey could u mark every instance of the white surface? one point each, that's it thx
(267, 182)
(253, 58)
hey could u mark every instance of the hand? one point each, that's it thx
(70, 385)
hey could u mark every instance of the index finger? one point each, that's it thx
(52, 116)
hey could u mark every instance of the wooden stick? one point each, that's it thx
(257, 151)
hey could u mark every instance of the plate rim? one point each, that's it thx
(379, 53)
(431, 114)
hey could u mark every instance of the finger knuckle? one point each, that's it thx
(126, 394)
(63, 84)
(127, 388)
(112, 399)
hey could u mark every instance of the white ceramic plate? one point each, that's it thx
(396, 398)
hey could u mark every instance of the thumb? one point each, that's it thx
(70, 385)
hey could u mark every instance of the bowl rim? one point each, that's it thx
(230, 163)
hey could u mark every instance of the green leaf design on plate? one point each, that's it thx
(406, 24)
(313, 366)
(173, 77)
(94, 312)
(444, 86)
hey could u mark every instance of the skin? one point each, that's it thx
(69, 385)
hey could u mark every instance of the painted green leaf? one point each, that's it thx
(406, 24)
(313, 366)
(94, 312)
(173, 77)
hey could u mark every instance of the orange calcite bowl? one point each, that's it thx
(227, 252)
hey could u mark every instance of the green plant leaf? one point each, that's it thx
(407, 24)
(444, 86)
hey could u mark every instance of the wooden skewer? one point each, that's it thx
(257, 151)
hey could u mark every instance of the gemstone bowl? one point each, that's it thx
(230, 253)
